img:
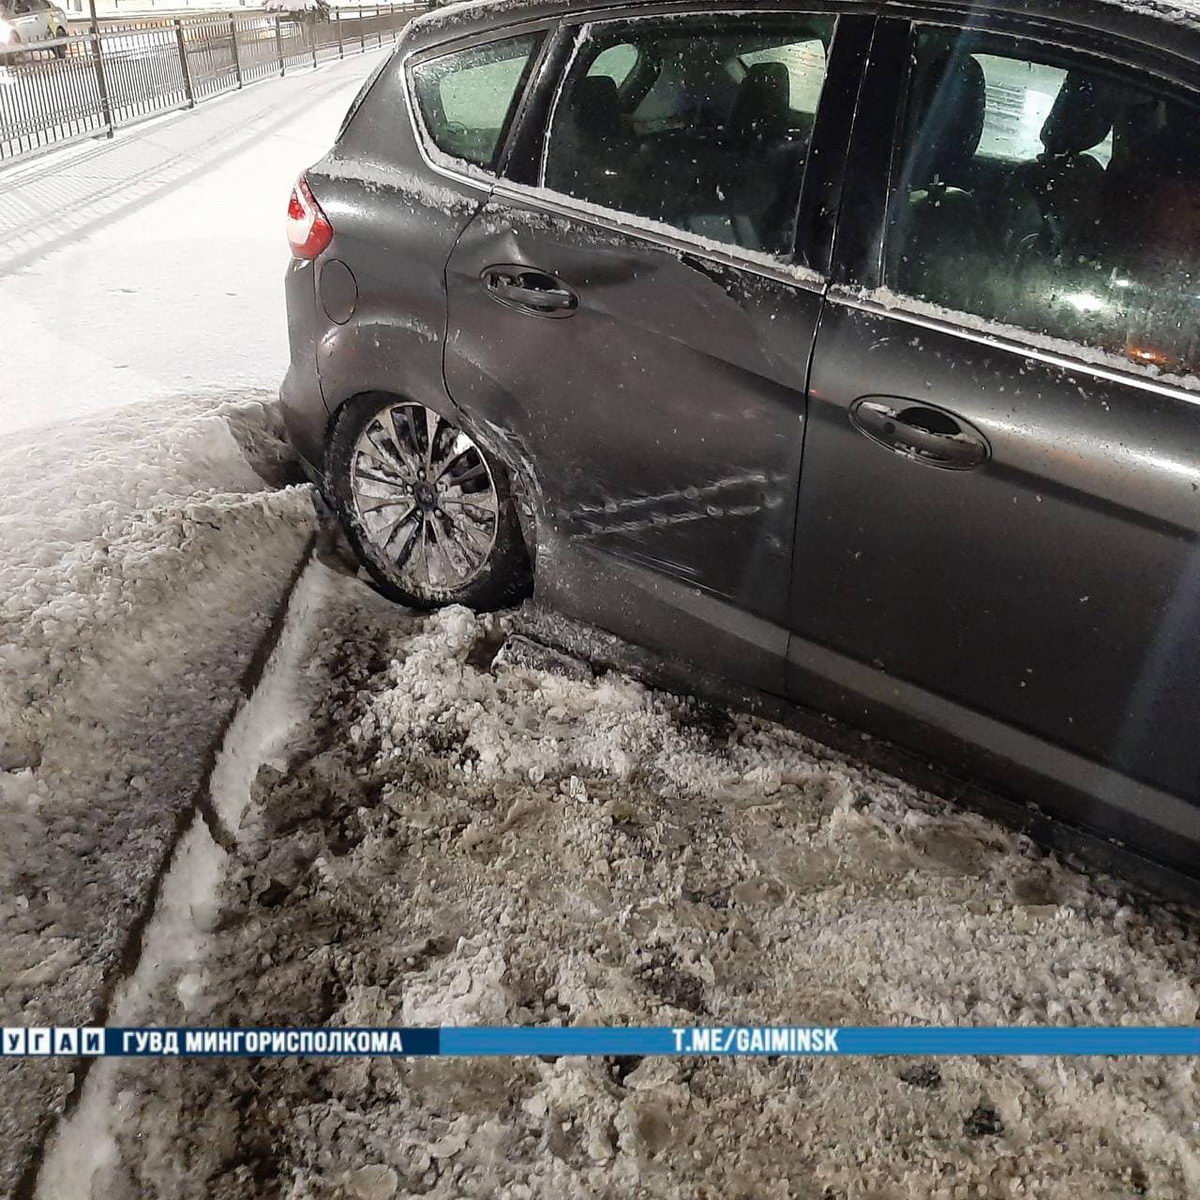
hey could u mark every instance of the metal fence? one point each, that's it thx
(84, 85)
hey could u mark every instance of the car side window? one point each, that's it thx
(467, 97)
(1042, 193)
(707, 130)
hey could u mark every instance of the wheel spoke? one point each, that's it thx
(473, 555)
(380, 503)
(476, 471)
(432, 421)
(410, 452)
(460, 446)
(390, 461)
(449, 572)
(392, 483)
(406, 549)
(483, 501)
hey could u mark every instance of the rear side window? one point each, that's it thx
(466, 98)
(699, 123)
(1045, 194)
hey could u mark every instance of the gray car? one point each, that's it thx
(846, 349)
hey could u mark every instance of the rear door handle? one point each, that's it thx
(921, 432)
(529, 290)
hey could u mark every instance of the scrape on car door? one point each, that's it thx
(635, 325)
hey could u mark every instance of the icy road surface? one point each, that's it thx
(152, 266)
(456, 836)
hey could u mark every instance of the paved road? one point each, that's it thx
(152, 265)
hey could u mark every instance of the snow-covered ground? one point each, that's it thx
(459, 836)
(147, 535)
(142, 559)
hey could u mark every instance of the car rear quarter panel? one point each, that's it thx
(395, 221)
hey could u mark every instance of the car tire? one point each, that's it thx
(61, 51)
(429, 511)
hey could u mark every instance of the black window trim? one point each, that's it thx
(462, 170)
(524, 165)
(856, 274)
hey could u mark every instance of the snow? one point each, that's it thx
(142, 556)
(174, 285)
(187, 910)
(466, 836)
(148, 535)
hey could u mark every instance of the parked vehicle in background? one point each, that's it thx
(23, 22)
(846, 349)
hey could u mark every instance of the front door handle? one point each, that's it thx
(529, 290)
(921, 432)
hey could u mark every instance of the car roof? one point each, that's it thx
(1168, 25)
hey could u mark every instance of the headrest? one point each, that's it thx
(761, 109)
(596, 105)
(950, 103)
(1081, 116)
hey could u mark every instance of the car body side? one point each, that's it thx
(399, 209)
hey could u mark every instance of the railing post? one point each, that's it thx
(337, 13)
(279, 48)
(310, 30)
(237, 58)
(362, 32)
(378, 28)
(183, 65)
(102, 81)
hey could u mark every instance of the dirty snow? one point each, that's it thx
(143, 554)
(462, 835)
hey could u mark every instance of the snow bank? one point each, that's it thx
(464, 837)
(143, 554)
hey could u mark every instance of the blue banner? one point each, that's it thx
(512, 1040)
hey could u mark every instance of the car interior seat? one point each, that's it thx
(593, 162)
(761, 137)
(1065, 183)
(761, 107)
(940, 219)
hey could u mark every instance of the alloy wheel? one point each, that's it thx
(424, 498)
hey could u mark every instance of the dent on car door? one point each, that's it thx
(1000, 509)
(396, 216)
(637, 330)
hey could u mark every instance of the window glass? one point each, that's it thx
(1052, 197)
(466, 97)
(708, 130)
(1020, 96)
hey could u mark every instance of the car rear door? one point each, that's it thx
(632, 315)
(996, 551)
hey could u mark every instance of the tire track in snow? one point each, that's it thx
(183, 902)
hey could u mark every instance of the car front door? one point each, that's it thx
(630, 316)
(996, 549)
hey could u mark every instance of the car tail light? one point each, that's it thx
(308, 228)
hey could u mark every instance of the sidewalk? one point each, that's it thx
(152, 265)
